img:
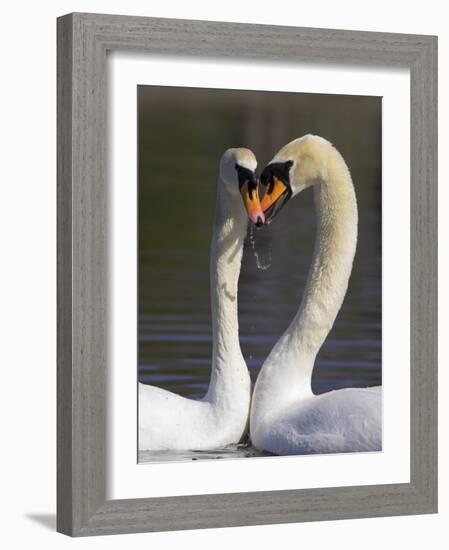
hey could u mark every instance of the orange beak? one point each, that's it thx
(252, 204)
(276, 197)
(273, 194)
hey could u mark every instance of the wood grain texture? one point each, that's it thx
(423, 272)
(64, 277)
(83, 40)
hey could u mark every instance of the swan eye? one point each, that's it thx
(278, 170)
(246, 176)
(248, 187)
(276, 177)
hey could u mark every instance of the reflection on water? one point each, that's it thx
(241, 450)
(182, 133)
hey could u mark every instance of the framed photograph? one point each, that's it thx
(247, 286)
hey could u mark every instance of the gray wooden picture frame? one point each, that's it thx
(83, 40)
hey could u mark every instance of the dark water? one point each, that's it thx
(182, 133)
(241, 450)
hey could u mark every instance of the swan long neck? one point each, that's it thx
(229, 372)
(288, 369)
(333, 256)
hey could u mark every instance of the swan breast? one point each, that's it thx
(346, 420)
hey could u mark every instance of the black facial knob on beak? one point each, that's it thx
(259, 222)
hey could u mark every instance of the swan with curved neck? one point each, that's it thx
(168, 421)
(286, 417)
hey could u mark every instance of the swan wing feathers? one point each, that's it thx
(170, 421)
(347, 420)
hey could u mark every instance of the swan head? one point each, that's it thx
(238, 175)
(294, 168)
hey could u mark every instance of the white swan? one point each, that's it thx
(286, 417)
(168, 421)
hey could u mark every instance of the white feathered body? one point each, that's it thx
(339, 421)
(168, 421)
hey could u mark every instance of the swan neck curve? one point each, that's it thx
(333, 256)
(229, 375)
(287, 372)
